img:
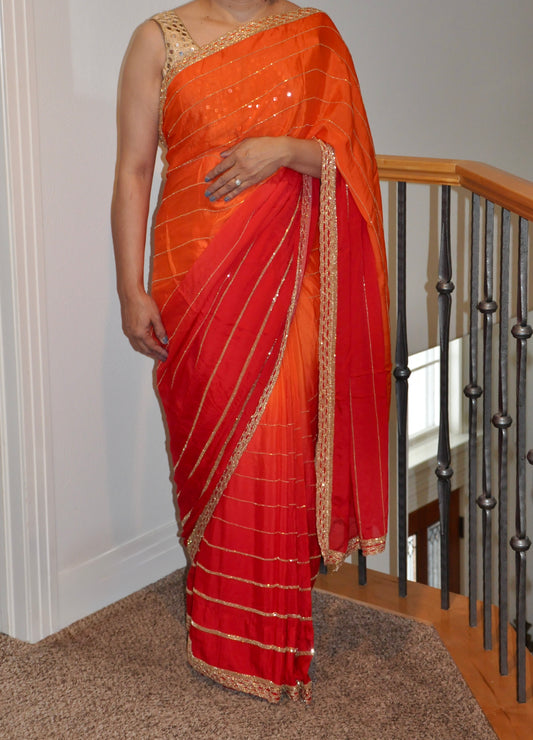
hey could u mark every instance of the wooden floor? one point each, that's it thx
(495, 694)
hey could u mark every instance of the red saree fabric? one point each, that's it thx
(276, 388)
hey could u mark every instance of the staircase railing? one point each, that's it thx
(508, 201)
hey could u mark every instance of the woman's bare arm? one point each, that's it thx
(138, 111)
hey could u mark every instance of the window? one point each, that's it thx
(424, 392)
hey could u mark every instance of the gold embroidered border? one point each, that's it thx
(196, 536)
(367, 547)
(232, 605)
(261, 531)
(261, 687)
(292, 507)
(294, 587)
(276, 558)
(326, 347)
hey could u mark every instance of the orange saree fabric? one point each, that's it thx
(276, 387)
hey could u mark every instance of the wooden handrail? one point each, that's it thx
(498, 186)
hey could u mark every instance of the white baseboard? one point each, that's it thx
(117, 573)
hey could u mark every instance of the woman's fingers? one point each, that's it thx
(142, 324)
(149, 346)
(157, 324)
(219, 169)
(229, 184)
(243, 165)
(224, 179)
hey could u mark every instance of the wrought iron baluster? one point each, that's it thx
(361, 560)
(520, 542)
(486, 500)
(444, 471)
(473, 392)
(502, 421)
(401, 374)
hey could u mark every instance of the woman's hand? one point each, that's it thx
(253, 160)
(245, 164)
(141, 323)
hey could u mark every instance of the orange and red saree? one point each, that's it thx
(276, 388)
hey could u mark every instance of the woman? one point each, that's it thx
(267, 314)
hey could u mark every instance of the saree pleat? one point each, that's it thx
(249, 590)
(275, 305)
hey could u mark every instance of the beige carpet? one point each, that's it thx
(121, 673)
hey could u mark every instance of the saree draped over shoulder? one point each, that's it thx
(276, 388)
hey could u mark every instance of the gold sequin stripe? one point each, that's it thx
(276, 559)
(199, 212)
(196, 536)
(354, 463)
(296, 587)
(291, 481)
(169, 278)
(177, 192)
(262, 531)
(292, 455)
(261, 687)
(277, 615)
(327, 346)
(245, 640)
(266, 506)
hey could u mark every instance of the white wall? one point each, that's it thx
(439, 79)
(113, 496)
(445, 79)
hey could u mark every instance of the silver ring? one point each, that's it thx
(238, 182)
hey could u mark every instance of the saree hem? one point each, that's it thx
(260, 687)
(367, 547)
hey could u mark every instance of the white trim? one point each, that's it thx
(119, 572)
(27, 530)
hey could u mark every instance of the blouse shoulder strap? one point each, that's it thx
(178, 41)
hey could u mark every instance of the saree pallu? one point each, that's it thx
(276, 388)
